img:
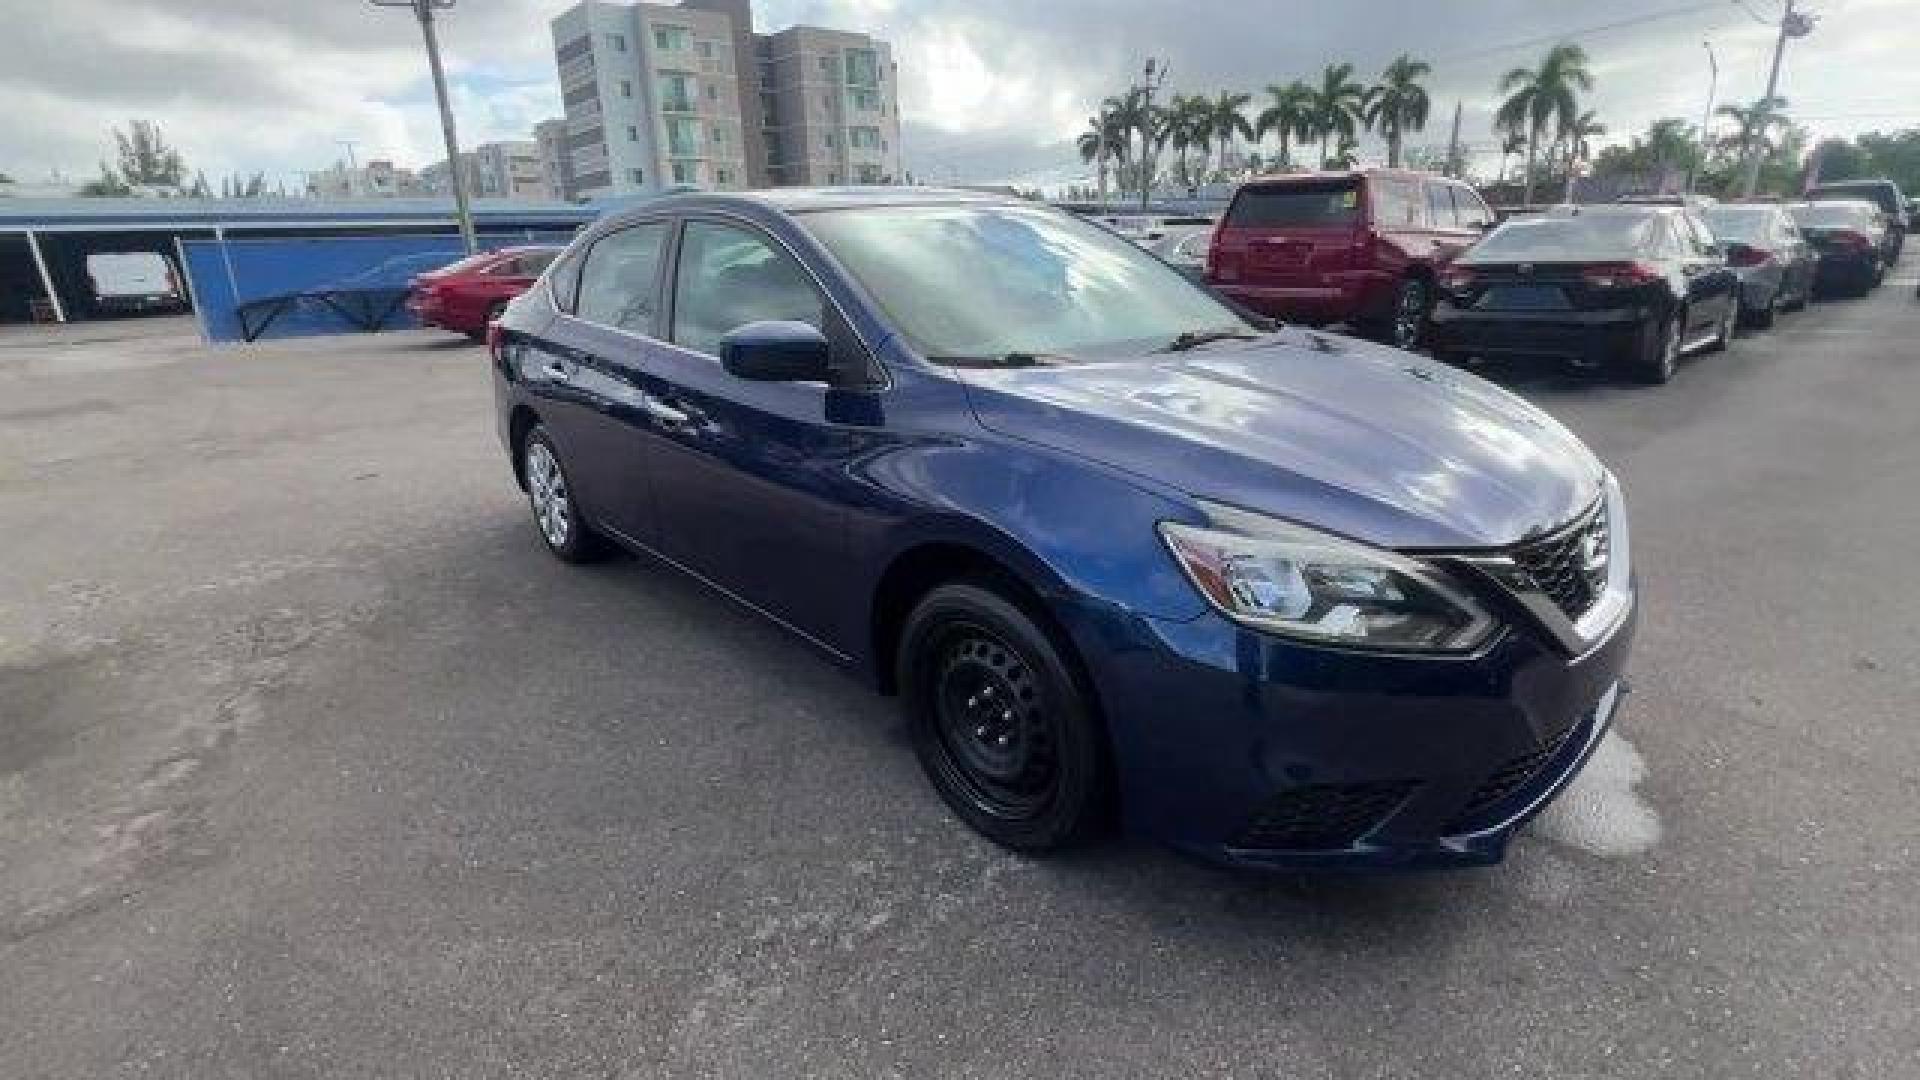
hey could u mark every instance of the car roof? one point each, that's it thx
(804, 199)
(1282, 179)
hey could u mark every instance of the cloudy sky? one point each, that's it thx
(990, 89)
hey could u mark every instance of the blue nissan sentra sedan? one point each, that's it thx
(1126, 554)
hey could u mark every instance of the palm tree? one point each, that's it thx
(1288, 115)
(1398, 104)
(1336, 107)
(1513, 141)
(1543, 97)
(1230, 121)
(1100, 143)
(1669, 143)
(1189, 124)
(1578, 136)
(1754, 125)
(1126, 115)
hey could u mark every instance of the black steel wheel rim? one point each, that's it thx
(997, 743)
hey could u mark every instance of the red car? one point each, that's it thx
(1359, 247)
(465, 296)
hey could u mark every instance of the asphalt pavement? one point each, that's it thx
(313, 763)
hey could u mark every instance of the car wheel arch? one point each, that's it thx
(925, 565)
(522, 421)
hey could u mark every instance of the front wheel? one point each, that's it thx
(998, 722)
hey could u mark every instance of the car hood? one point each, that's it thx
(1344, 435)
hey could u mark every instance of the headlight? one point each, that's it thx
(1296, 582)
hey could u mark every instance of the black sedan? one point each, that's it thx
(1628, 286)
(1774, 262)
(1851, 239)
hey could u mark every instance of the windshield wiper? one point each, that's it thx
(1004, 360)
(1193, 339)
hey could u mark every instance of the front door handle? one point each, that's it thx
(663, 412)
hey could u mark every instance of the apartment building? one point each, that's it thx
(831, 112)
(556, 167)
(651, 96)
(509, 170)
(376, 179)
(660, 96)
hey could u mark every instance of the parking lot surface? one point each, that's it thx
(314, 763)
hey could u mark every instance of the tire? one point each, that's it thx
(1723, 336)
(1407, 327)
(1003, 730)
(1658, 352)
(556, 514)
(1762, 318)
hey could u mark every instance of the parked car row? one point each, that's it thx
(1417, 259)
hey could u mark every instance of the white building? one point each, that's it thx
(659, 96)
(375, 180)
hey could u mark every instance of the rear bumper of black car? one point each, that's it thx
(1579, 336)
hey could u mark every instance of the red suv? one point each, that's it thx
(467, 295)
(1356, 247)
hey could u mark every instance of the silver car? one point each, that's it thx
(1776, 264)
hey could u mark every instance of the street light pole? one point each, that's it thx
(423, 10)
(1706, 119)
(1792, 24)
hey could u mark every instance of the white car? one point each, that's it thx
(133, 281)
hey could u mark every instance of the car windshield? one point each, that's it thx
(992, 281)
(1741, 223)
(1832, 215)
(1586, 236)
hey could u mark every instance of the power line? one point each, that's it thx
(1584, 31)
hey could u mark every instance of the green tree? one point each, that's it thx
(1754, 126)
(1398, 103)
(1188, 123)
(1337, 105)
(1544, 97)
(1229, 121)
(145, 157)
(1289, 115)
(109, 186)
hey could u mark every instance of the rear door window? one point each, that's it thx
(1440, 209)
(620, 283)
(1469, 209)
(1397, 204)
(1310, 204)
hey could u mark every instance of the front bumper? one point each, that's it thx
(1246, 749)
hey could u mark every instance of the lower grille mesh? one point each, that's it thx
(1319, 817)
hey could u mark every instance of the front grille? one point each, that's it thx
(1571, 566)
(1509, 778)
(1320, 817)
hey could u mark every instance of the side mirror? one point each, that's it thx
(777, 351)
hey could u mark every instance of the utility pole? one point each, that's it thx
(1792, 24)
(1706, 119)
(1147, 87)
(1454, 164)
(423, 10)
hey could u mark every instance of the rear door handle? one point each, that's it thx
(556, 370)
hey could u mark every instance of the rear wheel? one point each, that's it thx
(1723, 334)
(1658, 352)
(1411, 304)
(998, 721)
(1761, 318)
(551, 497)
